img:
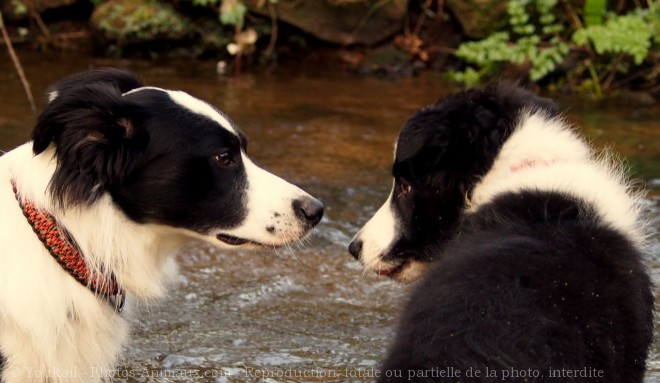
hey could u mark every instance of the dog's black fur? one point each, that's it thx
(530, 280)
(533, 282)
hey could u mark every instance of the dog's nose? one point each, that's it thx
(308, 209)
(355, 248)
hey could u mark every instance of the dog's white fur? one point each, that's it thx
(378, 234)
(561, 161)
(53, 329)
(50, 324)
(566, 164)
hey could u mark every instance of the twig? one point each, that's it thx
(593, 73)
(418, 26)
(239, 53)
(17, 64)
(445, 50)
(632, 77)
(406, 22)
(273, 29)
(441, 9)
(74, 35)
(38, 19)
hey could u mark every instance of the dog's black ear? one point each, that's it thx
(455, 141)
(121, 79)
(96, 136)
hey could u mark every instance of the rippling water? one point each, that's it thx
(306, 313)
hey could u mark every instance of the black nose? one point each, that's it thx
(355, 248)
(308, 209)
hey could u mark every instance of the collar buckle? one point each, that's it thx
(117, 300)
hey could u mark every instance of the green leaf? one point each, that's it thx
(204, 3)
(19, 7)
(594, 10)
(629, 34)
(232, 12)
(469, 77)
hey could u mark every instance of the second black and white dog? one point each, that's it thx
(116, 178)
(526, 245)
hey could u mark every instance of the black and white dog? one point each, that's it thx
(527, 247)
(116, 178)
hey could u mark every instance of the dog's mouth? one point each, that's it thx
(392, 272)
(238, 241)
(231, 240)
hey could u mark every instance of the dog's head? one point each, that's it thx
(441, 153)
(166, 158)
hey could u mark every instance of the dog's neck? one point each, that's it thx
(545, 154)
(64, 250)
(139, 255)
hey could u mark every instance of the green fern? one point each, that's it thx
(539, 43)
(535, 37)
(628, 34)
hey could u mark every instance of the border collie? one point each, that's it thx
(527, 248)
(116, 178)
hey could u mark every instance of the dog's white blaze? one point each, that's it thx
(269, 205)
(53, 95)
(564, 163)
(378, 235)
(200, 107)
(193, 104)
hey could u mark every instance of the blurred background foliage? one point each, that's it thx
(590, 46)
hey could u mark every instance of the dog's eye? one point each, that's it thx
(224, 159)
(404, 188)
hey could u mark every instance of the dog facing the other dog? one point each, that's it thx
(527, 247)
(116, 178)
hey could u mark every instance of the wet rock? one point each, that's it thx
(478, 18)
(178, 361)
(345, 22)
(125, 24)
(388, 61)
(635, 98)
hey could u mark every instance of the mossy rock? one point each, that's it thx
(388, 61)
(124, 23)
(478, 18)
(345, 22)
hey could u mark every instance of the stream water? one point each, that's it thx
(306, 313)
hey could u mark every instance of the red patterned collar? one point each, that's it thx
(64, 250)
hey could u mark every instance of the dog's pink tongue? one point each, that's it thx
(385, 272)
